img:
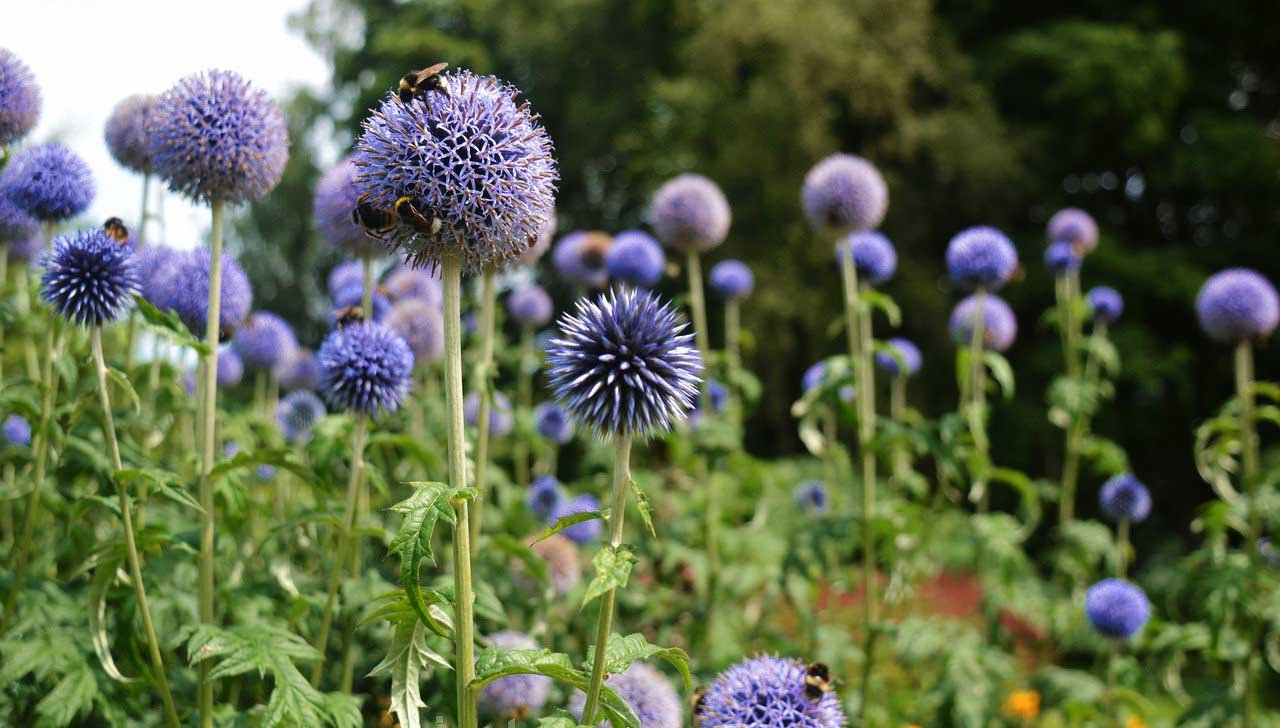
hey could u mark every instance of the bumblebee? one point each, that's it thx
(817, 681)
(343, 317)
(376, 222)
(116, 229)
(414, 83)
(410, 214)
(699, 698)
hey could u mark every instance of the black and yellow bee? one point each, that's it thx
(430, 78)
(344, 317)
(116, 229)
(699, 698)
(817, 681)
(375, 221)
(414, 218)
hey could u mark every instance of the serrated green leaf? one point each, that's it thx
(409, 660)
(122, 381)
(572, 519)
(621, 651)
(101, 582)
(642, 505)
(613, 567)
(1001, 371)
(170, 325)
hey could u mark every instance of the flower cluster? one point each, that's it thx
(364, 368)
(335, 200)
(126, 132)
(1125, 498)
(768, 692)
(1238, 304)
(1106, 303)
(635, 259)
(190, 292)
(514, 697)
(580, 258)
(299, 412)
(844, 193)
(500, 418)
(301, 370)
(649, 694)
(531, 306)
(874, 257)
(907, 360)
(1116, 608)
(689, 213)
(406, 282)
(89, 278)
(981, 257)
(999, 325)
(552, 422)
(732, 279)
(19, 98)
(49, 182)
(1061, 258)
(421, 325)
(264, 341)
(1075, 227)
(586, 531)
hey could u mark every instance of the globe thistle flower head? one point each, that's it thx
(264, 341)
(89, 278)
(544, 496)
(999, 325)
(474, 160)
(514, 697)
(813, 376)
(348, 274)
(636, 259)
(16, 431)
(49, 182)
(214, 137)
(580, 258)
(1106, 302)
(230, 368)
(126, 132)
(584, 532)
(717, 395)
(353, 297)
(546, 233)
(530, 306)
(421, 325)
(364, 368)
(907, 353)
(811, 497)
(732, 279)
(405, 283)
(552, 423)
(335, 200)
(299, 371)
(19, 98)
(647, 691)
(500, 419)
(26, 250)
(1125, 498)
(1061, 258)
(297, 413)
(689, 213)
(873, 255)
(624, 365)
(158, 265)
(981, 257)
(844, 193)
(1236, 305)
(191, 292)
(16, 226)
(767, 691)
(1074, 226)
(1116, 608)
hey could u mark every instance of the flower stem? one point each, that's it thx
(733, 353)
(208, 414)
(866, 400)
(698, 303)
(366, 294)
(24, 308)
(126, 518)
(1122, 547)
(604, 623)
(1249, 484)
(4, 290)
(524, 401)
(978, 402)
(1079, 429)
(898, 412)
(484, 386)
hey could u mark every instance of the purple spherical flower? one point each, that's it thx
(19, 98)
(732, 279)
(907, 353)
(364, 368)
(811, 497)
(158, 265)
(264, 340)
(126, 132)
(191, 292)
(405, 283)
(214, 137)
(1236, 305)
(1116, 608)
(689, 213)
(648, 692)
(500, 420)
(335, 200)
(813, 376)
(981, 257)
(717, 395)
(584, 532)
(297, 413)
(514, 697)
(1074, 226)
(635, 258)
(579, 258)
(767, 692)
(999, 325)
(49, 182)
(16, 431)
(1061, 258)
(421, 325)
(1125, 498)
(348, 274)
(230, 368)
(844, 193)
(353, 297)
(542, 244)
(16, 226)
(552, 423)
(24, 250)
(472, 158)
(1106, 302)
(89, 277)
(873, 255)
(623, 364)
(544, 496)
(530, 306)
(300, 371)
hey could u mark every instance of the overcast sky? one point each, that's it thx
(87, 55)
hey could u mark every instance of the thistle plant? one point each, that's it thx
(636, 259)
(732, 281)
(899, 360)
(19, 100)
(1124, 500)
(264, 342)
(580, 258)
(767, 691)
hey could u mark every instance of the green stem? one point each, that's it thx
(1076, 433)
(4, 290)
(1071, 326)
(604, 623)
(484, 386)
(978, 394)
(1249, 484)
(698, 303)
(898, 412)
(1122, 547)
(207, 435)
(866, 441)
(366, 295)
(733, 353)
(524, 399)
(24, 309)
(126, 518)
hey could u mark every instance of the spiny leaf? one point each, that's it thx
(408, 659)
(613, 566)
(642, 504)
(622, 651)
(170, 325)
(103, 577)
(572, 519)
(167, 484)
(429, 504)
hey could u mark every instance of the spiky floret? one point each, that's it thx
(19, 98)
(635, 258)
(732, 279)
(473, 159)
(264, 341)
(843, 193)
(89, 278)
(531, 306)
(690, 213)
(421, 325)
(1116, 608)
(981, 257)
(336, 195)
(1237, 304)
(49, 182)
(365, 367)
(648, 692)
(623, 365)
(298, 412)
(190, 291)
(126, 132)
(552, 423)
(1106, 302)
(1124, 498)
(767, 691)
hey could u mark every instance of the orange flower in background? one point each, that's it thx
(1023, 704)
(1134, 721)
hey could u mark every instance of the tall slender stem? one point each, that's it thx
(604, 623)
(366, 294)
(4, 291)
(208, 414)
(1122, 547)
(524, 402)
(733, 353)
(126, 518)
(1077, 431)
(898, 412)
(483, 385)
(698, 302)
(1248, 441)
(24, 308)
(866, 442)
(978, 397)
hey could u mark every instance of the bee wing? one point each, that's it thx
(430, 71)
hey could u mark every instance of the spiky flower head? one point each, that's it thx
(16, 431)
(405, 283)
(301, 370)
(999, 325)
(1116, 608)
(544, 496)
(530, 306)
(16, 225)
(811, 497)
(365, 368)
(19, 98)
(353, 297)
(874, 257)
(623, 365)
(348, 274)
(500, 419)
(767, 691)
(1074, 226)
(230, 368)
(297, 413)
(1106, 302)
(49, 182)
(157, 267)
(126, 132)
(1061, 258)
(213, 136)
(732, 279)
(421, 325)
(335, 199)
(191, 292)
(546, 233)
(586, 531)
(981, 257)
(514, 697)
(1125, 498)
(907, 353)
(474, 159)
(264, 341)
(844, 193)
(580, 258)
(553, 423)
(689, 213)
(636, 258)
(1237, 304)
(648, 692)
(89, 278)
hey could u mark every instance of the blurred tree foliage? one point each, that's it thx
(1159, 119)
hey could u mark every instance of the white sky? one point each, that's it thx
(90, 54)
